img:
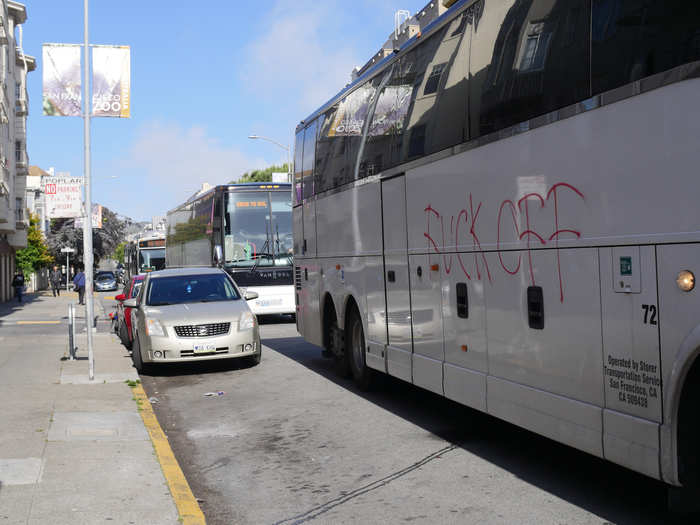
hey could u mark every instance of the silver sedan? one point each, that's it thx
(192, 314)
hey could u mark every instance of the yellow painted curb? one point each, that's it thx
(38, 322)
(187, 505)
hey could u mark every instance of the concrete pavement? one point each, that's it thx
(71, 450)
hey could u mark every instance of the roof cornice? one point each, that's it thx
(17, 11)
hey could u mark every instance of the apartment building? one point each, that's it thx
(14, 163)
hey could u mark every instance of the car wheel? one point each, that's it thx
(124, 335)
(139, 365)
(355, 350)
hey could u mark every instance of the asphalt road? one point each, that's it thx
(289, 442)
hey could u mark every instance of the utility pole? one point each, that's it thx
(87, 226)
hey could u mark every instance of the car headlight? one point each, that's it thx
(247, 321)
(153, 327)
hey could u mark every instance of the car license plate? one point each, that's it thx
(204, 348)
(268, 302)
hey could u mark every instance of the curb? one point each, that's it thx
(187, 506)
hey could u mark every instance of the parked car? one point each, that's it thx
(105, 281)
(131, 290)
(192, 314)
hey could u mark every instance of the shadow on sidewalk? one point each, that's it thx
(13, 305)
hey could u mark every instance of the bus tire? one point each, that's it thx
(356, 351)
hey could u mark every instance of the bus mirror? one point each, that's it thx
(249, 296)
(218, 255)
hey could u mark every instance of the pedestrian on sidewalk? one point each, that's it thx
(79, 285)
(56, 277)
(18, 284)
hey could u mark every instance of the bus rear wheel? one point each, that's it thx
(355, 350)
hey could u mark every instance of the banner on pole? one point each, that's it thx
(61, 79)
(64, 197)
(111, 81)
(96, 218)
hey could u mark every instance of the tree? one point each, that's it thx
(119, 251)
(36, 255)
(262, 175)
(104, 240)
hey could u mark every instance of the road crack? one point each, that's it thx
(315, 512)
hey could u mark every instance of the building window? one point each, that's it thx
(18, 151)
(535, 48)
(19, 209)
(433, 82)
(18, 91)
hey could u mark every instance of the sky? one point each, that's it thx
(204, 76)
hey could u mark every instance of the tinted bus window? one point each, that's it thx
(330, 153)
(633, 39)
(298, 156)
(309, 159)
(527, 58)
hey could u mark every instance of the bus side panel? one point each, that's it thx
(309, 240)
(309, 308)
(464, 318)
(563, 354)
(545, 348)
(426, 322)
(298, 230)
(349, 223)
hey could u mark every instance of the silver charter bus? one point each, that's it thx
(247, 230)
(504, 210)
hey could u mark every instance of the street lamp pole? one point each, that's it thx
(87, 227)
(286, 148)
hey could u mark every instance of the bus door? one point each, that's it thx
(396, 278)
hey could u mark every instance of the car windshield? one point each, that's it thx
(104, 276)
(190, 289)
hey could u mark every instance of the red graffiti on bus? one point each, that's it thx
(519, 212)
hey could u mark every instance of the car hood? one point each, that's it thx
(198, 313)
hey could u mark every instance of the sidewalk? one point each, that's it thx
(72, 451)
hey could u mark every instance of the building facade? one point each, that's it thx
(14, 162)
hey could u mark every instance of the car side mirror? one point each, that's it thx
(121, 297)
(249, 296)
(131, 303)
(218, 255)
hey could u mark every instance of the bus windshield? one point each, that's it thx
(151, 259)
(258, 229)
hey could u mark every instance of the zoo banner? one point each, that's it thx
(61, 79)
(111, 81)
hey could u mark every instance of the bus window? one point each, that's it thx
(309, 159)
(527, 59)
(281, 215)
(298, 156)
(247, 227)
(633, 39)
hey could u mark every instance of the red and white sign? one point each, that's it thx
(64, 197)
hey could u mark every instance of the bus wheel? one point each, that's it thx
(339, 351)
(355, 350)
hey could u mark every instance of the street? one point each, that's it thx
(290, 442)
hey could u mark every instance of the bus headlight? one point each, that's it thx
(685, 280)
(154, 328)
(247, 321)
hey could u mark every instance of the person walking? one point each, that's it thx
(18, 284)
(79, 285)
(56, 278)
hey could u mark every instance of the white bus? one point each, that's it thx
(146, 254)
(504, 211)
(246, 229)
